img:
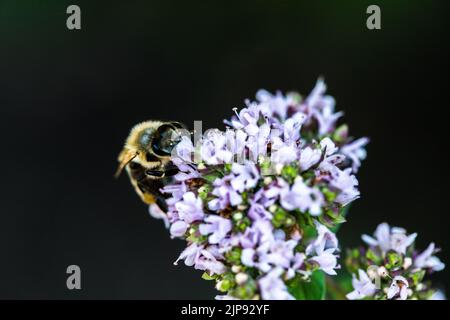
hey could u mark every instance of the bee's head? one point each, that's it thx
(161, 140)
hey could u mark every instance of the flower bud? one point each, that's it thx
(382, 272)
(268, 180)
(235, 269)
(407, 263)
(241, 278)
(372, 273)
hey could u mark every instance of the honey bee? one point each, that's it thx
(146, 157)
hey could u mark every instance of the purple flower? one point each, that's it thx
(324, 248)
(272, 287)
(326, 117)
(428, 261)
(299, 134)
(278, 104)
(309, 157)
(183, 150)
(328, 146)
(186, 172)
(296, 263)
(190, 255)
(269, 194)
(302, 197)
(246, 176)
(316, 95)
(178, 228)
(225, 193)
(292, 126)
(176, 190)
(236, 142)
(327, 261)
(190, 209)
(248, 256)
(398, 288)
(208, 261)
(325, 240)
(363, 287)
(215, 149)
(282, 152)
(346, 183)
(390, 239)
(217, 226)
(321, 107)
(355, 152)
(258, 211)
(202, 258)
(250, 238)
(247, 118)
(277, 253)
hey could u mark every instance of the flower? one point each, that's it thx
(302, 197)
(183, 150)
(246, 176)
(178, 228)
(428, 261)
(355, 152)
(327, 261)
(272, 287)
(209, 260)
(398, 288)
(325, 240)
(346, 183)
(215, 149)
(322, 108)
(363, 287)
(399, 271)
(190, 255)
(256, 203)
(202, 258)
(190, 209)
(217, 226)
(324, 248)
(277, 253)
(309, 157)
(226, 194)
(258, 211)
(390, 238)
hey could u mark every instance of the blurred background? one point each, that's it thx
(69, 98)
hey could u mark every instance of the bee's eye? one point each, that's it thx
(164, 140)
(146, 138)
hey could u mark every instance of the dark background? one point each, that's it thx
(68, 99)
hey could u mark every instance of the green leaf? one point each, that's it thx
(309, 290)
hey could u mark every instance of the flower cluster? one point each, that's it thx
(391, 268)
(258, 202)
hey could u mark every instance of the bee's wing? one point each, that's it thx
(124, 158)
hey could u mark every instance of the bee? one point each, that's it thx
(146, 156)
